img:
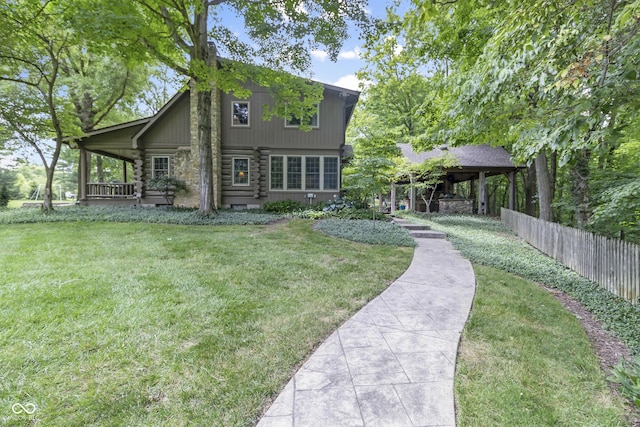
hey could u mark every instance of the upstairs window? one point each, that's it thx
(240, 113)
(159, 166)
(293, 122)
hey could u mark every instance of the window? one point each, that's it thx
(277, 173)
(331, 173)
(241, 171)
(312, 173)
(305, 173)
(239, 113)
(293, 122)
(294, 173)
(160, 166)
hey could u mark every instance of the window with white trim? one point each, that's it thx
(331, 173)
(240, 171)
(240, 113)
(294, 122)
(294, 173)
(277, 172)
(304, 173)
(160, 166)
(312, 173)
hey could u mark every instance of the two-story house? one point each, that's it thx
(261, 161)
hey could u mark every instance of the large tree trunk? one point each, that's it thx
(207, 201)
(580, 187)
(205, 153)
(544, 187)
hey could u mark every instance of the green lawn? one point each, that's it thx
(146, 324)
(526, 361)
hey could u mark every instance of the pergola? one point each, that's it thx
(475, 164)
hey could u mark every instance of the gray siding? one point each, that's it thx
(274, 134)
(172, 130)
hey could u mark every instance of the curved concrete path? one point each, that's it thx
(392, 364)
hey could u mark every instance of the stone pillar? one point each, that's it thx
(412, 194)
(482, 194)
(393, 197)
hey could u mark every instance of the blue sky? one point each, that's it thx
(342, 72)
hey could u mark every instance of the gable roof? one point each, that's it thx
(469, 156)
(154, 119)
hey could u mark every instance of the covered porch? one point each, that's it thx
(464, 187)
(122, 188)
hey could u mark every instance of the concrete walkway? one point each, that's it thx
(392, 364)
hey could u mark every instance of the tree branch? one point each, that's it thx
(164, 58)
(112, 103)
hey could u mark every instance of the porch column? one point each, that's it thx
(512, 191)
(393, 197)
(84, 162)
(124, 171)
(482, 194)
(412, 194)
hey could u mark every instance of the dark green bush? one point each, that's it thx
(4, 196)
(338, 204)
(283, 206)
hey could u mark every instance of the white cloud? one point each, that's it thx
(350, 54)
(398, 47)
(349, 81)
(320, 55)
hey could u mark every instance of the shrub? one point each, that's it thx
(283, 206)
(4, 196)
(627, 374)
(337, 204)
(165, 183)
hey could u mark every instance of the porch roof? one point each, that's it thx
(472, 159)
(112, 141)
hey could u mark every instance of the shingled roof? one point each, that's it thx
(469, 156)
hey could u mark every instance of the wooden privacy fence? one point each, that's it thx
(612, 263)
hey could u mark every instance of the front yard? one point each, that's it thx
(147, 324)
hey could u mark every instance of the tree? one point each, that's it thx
(426, 176)
(186, 36)
(32, 102)
(555, 81)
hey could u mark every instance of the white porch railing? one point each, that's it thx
(108, 190)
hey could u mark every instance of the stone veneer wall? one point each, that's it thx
(186, 163)
(450, 206)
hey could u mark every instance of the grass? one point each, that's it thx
(111, 324)
(524, 360)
